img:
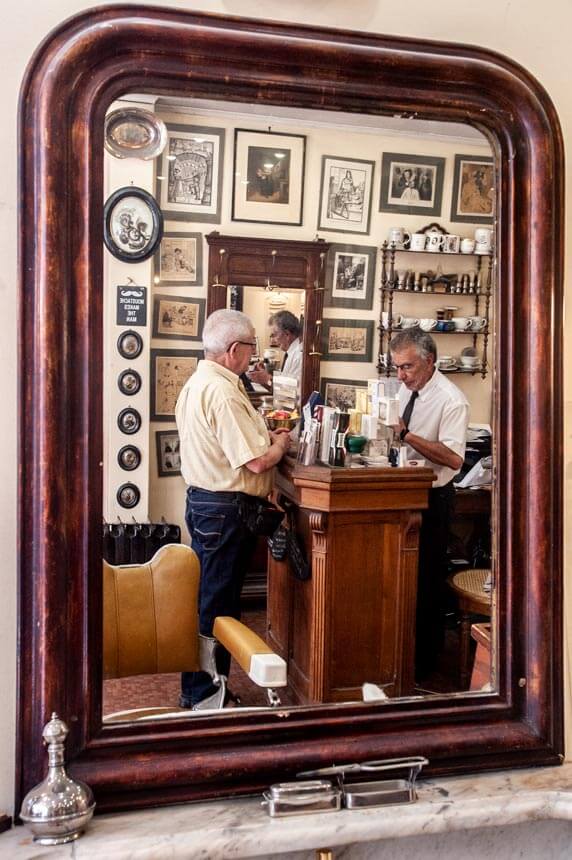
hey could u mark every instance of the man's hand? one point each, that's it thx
(281, 437)
(259, 375)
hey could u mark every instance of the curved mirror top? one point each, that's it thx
(376, 557)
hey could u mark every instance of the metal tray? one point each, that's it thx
(380, 793)
(299, 798)
(134, 133)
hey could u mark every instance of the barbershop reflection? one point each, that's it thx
(347, 632)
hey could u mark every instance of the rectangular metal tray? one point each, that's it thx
(388, 791)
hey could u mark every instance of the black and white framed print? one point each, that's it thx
(350, 275)
(132, 224)
(178, 317)
(345, 195)
(473, 200)
(411, 184)
(179, 260)
(341, 393)
(168, 453)
(268, 177)
(347, 340)
(189, 181)
(170, 369)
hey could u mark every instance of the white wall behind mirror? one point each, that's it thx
(343, 137)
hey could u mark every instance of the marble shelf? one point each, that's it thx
(492, 815)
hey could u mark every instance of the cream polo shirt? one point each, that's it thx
(440, 414)
(220, 431)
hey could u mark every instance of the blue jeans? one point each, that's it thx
(224, 547)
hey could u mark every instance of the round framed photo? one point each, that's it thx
(129, 457)
(129, 382)
(129, 421)
(128, 495)
(129, 344)
(133, 224)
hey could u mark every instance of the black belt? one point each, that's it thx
(225, 496)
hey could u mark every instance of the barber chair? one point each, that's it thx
(150, 626)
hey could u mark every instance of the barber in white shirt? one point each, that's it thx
(286, 333)
(433, 425)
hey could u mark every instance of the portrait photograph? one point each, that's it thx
(178, 317)
(350, 276)
(179, 260)
(268, 184)
(345, 195)
(473, 200)
(170, 369)
(189, 180)
(411, 184)
(347, 340)
(341, 393)
(168, 453)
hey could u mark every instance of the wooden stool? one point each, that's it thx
(468, 585)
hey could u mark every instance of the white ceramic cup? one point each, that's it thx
(409, 322)
(427, 324)
(400, 236)
(470, 360)
(451, 243)
(483, 236)
(467, 246)
(396, 320)
(462, 323)
(417, 242)
(434, 241)
(478, 323)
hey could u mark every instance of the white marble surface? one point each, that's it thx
(507, 814)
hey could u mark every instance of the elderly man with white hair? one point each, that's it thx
(227, 456)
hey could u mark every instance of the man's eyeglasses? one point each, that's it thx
(251, 344)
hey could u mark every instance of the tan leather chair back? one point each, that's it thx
(150, 616)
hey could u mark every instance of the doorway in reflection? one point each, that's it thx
(388, 183)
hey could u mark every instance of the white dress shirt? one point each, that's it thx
(293, 363)
(440, 414)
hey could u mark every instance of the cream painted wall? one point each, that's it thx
(532, 33)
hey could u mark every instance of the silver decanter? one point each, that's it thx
(58, 808)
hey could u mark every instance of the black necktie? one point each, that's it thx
(406, 417)
(284, 361)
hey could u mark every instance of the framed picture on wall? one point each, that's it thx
(341, 393)
(350, 276)
(170, 369)
(189, 177)
(178, 317)
(411, 184)
(473, 199)
(268, 177)
(345, 195)
(347, 340)
(179, 260)
(168, 453)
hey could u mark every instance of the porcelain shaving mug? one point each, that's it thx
(409, 322)
(483, 240)
(400, 236)
(462, 323)
(396, 320)
(478, 323)
(427, 324)
(467, 246)
(434, 241)
(417, 242)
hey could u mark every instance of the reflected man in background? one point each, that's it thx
(433, 424)
(227, 454)
(285, 333)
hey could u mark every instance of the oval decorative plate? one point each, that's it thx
(134, 133)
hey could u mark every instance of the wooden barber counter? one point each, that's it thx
(353, 619)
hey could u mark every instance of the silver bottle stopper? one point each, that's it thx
(58, 808)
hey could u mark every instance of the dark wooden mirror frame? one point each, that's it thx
(75, 75)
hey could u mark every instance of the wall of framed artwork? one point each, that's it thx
(189, 184)
(268, 177)
(472, 200)
(341, 393)
(346, 187)
(177, 317)
(350, 276)
(167, 446)
(170, 369)
(411, 184)
(179, 260)
(347, 340)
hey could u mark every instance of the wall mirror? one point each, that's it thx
(520, 721)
